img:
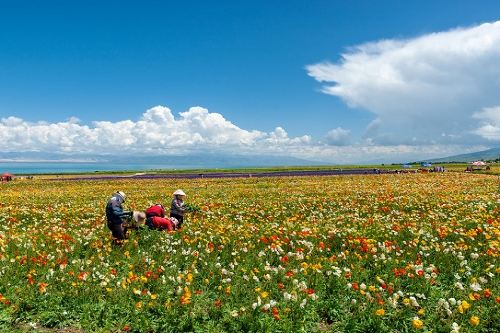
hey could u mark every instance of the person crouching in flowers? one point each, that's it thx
(140, 219)
(135, 222)
(162, 223)
(177, 208)
(115, 216)
(155, 210)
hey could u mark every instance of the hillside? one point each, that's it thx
(485, 155)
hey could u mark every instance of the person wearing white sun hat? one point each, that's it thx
(115, 215)
(177, 208)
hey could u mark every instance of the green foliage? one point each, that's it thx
(311, 254)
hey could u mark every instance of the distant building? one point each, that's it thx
(7, 177)
(477, 165)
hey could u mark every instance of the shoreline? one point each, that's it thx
(248, 172)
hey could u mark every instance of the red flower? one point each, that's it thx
(4, 300)
(210, 246)
(309, 291)
(275, 313)
(218, 303)
(42, 287)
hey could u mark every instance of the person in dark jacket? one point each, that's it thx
(115, 216)
(177, 208)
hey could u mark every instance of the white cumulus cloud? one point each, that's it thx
(157, 131)
(424, 87)
(490, 123)
(338, 137)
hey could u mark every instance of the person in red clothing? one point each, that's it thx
(139, 220)
(162, 223)
(155, 210)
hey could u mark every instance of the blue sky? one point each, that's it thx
(92, 66)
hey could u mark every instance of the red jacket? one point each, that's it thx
(162, 223)
(156, 210)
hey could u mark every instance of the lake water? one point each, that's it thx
(18, 168)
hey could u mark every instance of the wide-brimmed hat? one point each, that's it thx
(174, 221)
(179, 192)
(121, 195)
(139, 217)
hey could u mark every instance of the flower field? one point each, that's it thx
(374, 253)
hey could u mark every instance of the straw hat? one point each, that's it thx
(121, 195)
(180, 192)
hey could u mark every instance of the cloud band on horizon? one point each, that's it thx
(158, 132)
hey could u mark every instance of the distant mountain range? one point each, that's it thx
(485, 155)
(207, 160)
(201, 160)
(216, 160)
